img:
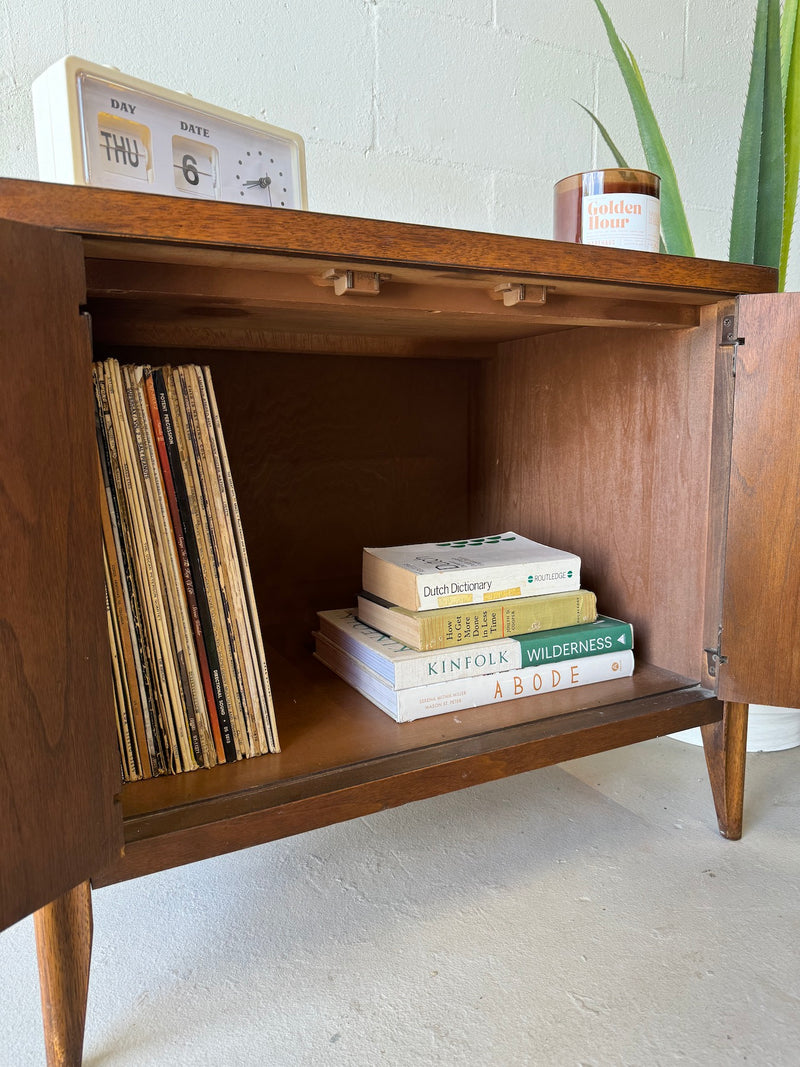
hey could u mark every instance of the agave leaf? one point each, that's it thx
(772, 175)
(615, 152)
(674, 226)
(743, 219)
(757, 218)
(790, 40)
(788, 22)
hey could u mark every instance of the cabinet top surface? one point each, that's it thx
(127, 225)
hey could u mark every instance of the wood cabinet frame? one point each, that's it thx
(380, 383)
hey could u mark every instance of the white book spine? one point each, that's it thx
(404, 667)
(433, 669)
(442, 697)
(496, 583)
(449, 573)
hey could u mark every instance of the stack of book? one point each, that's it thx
(190, 676)
(443, 627)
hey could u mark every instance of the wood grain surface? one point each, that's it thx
(172, 220)
(725, 744)
(59, 768)
(64, 949)
(599, 442)
(342, 757)
(761, 605)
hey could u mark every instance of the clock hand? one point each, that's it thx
(263, 182)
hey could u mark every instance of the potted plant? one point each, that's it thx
(765, 194)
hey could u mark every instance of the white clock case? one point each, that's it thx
(59, 138)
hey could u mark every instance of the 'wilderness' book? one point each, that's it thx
(403, 667)
(449, 627)
(472, 571)
(438, 698)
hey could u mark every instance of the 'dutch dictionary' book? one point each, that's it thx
(472, 571)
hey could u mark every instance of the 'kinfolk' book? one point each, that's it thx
(447, 573)
(448, 627)
(403, 667)
(438, 698)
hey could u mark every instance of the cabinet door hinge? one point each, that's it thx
(729, 338)
(713, 658)
(729, 333)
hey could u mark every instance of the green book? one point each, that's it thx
(570, 642)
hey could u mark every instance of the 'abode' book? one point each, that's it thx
(448, 627)
(404, 705)
(403, 667)
(447, 573)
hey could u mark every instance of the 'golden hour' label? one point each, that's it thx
(621, 220)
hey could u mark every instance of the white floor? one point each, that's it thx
(587, 914)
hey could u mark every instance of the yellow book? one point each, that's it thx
(448, 627)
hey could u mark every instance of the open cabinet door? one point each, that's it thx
(761, 590)
(59, 770)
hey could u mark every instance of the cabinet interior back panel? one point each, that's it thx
(332, 453)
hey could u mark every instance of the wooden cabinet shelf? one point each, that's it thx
(340, 757)
(381, 384)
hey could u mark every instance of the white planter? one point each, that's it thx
(768, 729)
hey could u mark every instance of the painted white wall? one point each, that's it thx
(448, 112)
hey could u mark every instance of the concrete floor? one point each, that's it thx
(587, 914)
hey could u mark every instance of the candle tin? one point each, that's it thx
(619, 208)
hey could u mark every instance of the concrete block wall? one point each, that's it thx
(452, 112)
(455, 113)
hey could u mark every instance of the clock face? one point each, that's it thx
(261, 178)
(127, 134)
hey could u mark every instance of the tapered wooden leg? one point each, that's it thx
(64, 947)
(725, 745)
